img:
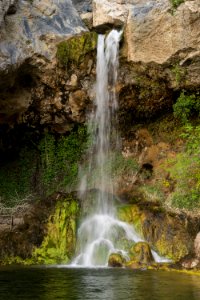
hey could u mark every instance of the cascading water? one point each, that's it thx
(98, 235)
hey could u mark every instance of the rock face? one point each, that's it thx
(6, 7)
(47, 234)
(28, 66)
(170, 234)
(34, 30)
(156, 33)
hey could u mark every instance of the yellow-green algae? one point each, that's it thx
(141, 253)
(59, 244)
(74, 49)
(165, 233)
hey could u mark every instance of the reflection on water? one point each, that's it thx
(96, 284)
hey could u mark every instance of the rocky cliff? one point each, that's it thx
(47, 77)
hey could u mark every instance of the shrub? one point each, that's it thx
(186, 106)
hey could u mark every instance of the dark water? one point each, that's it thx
(95, 284)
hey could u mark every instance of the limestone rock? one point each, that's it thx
(155, 34)
(109, 12)
(77, 104)
(35, 29)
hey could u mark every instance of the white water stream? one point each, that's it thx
(100, 233)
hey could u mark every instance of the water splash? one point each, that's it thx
(100, 233)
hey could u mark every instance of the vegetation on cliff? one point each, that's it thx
(40, 170)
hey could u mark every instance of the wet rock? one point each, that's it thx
(170, 234)
(116, 260)
(141, 253)
(197, 245)
(190, 263)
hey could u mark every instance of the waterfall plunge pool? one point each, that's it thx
(49, 283)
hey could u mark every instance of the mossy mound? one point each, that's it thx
(171, 235)
(48, 235)
(74, 49)
(59, 244)
(116, 260)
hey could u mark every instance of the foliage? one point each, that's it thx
(178, 73)
(60, 158)
(186, 106)
(152, 193)
(51, 167)
(185, 170)
(121, 165)
(17, 177)
(176, 3)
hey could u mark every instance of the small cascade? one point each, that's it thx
(98, 235)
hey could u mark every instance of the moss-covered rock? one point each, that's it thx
(47, 236)
(59, 244)
(171, 235)
(74, 49)
(116, 260)
(141, 253)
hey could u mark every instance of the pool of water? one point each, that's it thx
(94, 284)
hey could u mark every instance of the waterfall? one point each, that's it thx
(98, 234)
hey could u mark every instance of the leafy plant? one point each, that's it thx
(186, 106)
(52, 167)
(60, 158)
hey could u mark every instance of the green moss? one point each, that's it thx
(141, 253)
(131, 214)
(74, 49)
(176, 3)
(116, 260)
(59, 244)
(185, 171)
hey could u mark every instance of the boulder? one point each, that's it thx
(116, 260)
(141, 253)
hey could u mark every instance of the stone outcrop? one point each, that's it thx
(28, 64)
(170, 234)
(156, 33)
(7, 7)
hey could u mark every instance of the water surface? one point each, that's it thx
(95, 284)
